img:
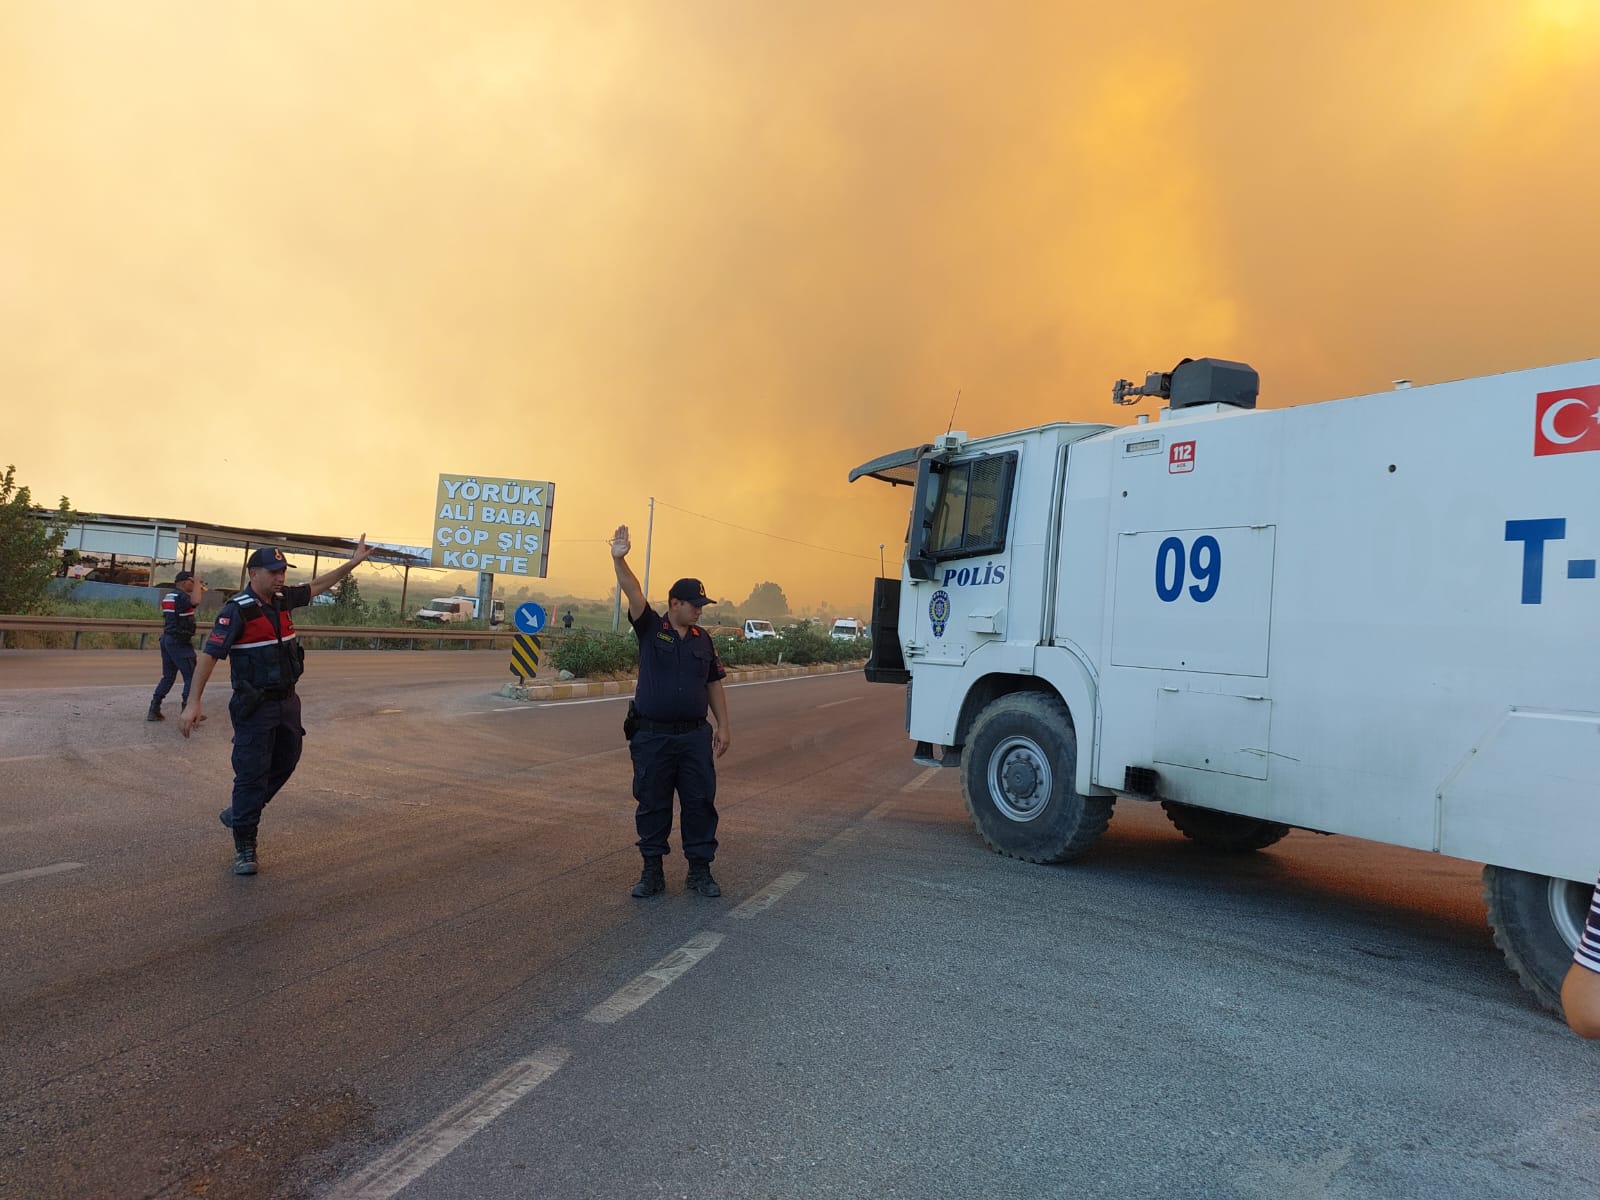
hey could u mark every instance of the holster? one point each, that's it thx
(250, 698)
(630, 722)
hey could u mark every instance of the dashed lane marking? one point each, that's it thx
(769, 895)
(637, 991)
(836, 703)
(35, 872)
(423, 1150)
(917, 783)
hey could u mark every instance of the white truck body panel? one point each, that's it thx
(1327, 616)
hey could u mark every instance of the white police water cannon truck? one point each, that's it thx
(1372, 616)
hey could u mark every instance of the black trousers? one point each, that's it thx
(176, 657)
(266, 747)
(664, 763)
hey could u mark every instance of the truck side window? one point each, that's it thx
(973, 508)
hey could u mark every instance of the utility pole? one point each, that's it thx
(649, 539)
(880, 560)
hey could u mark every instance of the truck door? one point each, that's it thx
(959, 558)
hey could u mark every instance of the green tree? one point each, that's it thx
(348, 597)
(30, 549)
(766, 602)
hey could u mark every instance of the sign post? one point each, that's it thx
(525, 644)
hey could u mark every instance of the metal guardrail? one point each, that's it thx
(78, 626)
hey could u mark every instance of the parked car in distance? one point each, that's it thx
(754, 631)
(442, 610)
(846, 629)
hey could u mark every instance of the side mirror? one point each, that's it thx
(918, 563)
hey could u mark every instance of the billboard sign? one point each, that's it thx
(490, 523)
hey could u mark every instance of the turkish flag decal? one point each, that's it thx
(1567, 422)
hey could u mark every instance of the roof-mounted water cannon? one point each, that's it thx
(1195, 381)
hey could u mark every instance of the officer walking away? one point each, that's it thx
(255, 632)
(177, 639)
(680, 677)
(566, 621)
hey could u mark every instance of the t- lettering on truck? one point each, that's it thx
(1373, 616)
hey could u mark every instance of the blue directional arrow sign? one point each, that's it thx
(529, 618)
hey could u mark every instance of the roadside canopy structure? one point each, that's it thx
(161, 540)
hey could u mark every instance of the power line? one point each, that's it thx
(762, 532)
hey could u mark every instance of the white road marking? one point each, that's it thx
(852, 834)
(836, 703)
(633, 994)
(922, 779)
(423, 1150)
(77, 750)
(769, 895)
(629, 696)
(35, 872)
(594, 700)
(792, 679)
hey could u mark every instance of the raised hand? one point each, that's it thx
(620, 543)
(362, 551)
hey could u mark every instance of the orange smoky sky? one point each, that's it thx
(281, 265)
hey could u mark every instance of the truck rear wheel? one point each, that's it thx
(1537, 922)
(1017, 777)
(1223, 831)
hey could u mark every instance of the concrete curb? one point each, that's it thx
(578, 688)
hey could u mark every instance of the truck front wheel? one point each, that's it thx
(1223, 831)
(1537, 922)
(1017, 777)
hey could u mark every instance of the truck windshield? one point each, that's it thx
(761, 626)
(435, 606)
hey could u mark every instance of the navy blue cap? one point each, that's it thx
(690, 591)
(269, 558)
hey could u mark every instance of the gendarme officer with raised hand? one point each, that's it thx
(680, 678)
(177, 639)
(255, 632)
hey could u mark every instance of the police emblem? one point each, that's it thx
(939, 611)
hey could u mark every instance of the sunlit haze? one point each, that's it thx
(281, 265)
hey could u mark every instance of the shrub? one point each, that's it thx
(585, 652)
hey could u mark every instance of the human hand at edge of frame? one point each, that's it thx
(362, 551)
(721, 739)
(190, 718)
(620, 542)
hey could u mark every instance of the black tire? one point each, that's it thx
(1228, 832)
(1537, 922)
(1017, 777)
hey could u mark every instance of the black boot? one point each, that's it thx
(700, 880)
(244, 851)
(651, 881)
(155, 712)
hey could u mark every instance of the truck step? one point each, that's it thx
(923, 756)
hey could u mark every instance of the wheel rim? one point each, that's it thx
(1019, 778)
(1569, 908)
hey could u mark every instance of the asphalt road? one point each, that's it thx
(438, 986)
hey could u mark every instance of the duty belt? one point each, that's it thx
(249, 690)
(650, 726)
